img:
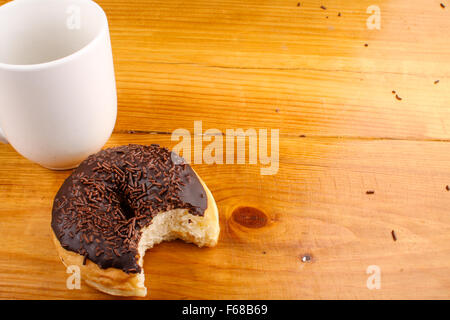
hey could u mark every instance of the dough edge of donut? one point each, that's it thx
(115, 281)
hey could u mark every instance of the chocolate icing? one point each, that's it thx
(101, 208)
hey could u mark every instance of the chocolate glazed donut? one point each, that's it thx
(122, 201)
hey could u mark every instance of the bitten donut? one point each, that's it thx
(122, 201)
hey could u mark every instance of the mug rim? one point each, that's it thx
(43, 65)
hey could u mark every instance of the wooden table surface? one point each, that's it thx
(322, 78)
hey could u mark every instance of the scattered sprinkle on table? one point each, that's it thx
(447, 187)
(436, 82)
(442, 5)
(366, 44)
(393, 92)
(339, 14)
(397, 97)
(370, 192)
(323, 7)
(394, 236)
(298, 4)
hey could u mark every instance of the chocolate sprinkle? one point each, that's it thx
(394, 236)
(101, 208)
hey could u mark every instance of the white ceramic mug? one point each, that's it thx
(58, 101)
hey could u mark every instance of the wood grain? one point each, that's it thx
(236, 62)
(270, 64)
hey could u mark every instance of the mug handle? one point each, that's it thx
(2, 137)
